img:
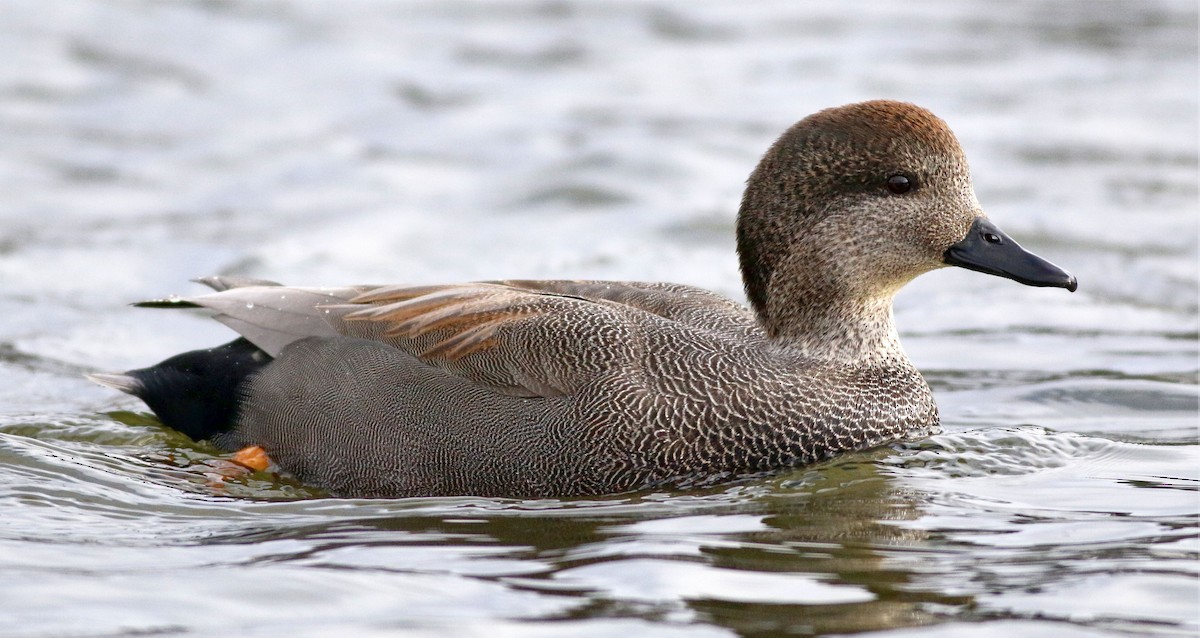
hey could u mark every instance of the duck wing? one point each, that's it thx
(521, 338)
(269, 315)
(688, 305)
(513, 340)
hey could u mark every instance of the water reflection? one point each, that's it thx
(810, 550)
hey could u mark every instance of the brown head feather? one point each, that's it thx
(818, 224)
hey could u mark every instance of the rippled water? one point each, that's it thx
(145, 143)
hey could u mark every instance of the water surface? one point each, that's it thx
(146, 143)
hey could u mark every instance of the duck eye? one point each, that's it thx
(899, 184)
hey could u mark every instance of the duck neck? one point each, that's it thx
(838, 328)
(810, 295)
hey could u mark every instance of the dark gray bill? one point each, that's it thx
(987, 249)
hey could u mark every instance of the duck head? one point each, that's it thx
(853, 202)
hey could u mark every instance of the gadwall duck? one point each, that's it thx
(559, 388)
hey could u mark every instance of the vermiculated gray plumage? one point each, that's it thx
(551, 388)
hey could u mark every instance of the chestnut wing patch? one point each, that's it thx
(515, 340)
(460, 319)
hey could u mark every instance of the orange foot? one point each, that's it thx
(253, 457)
(244, 461)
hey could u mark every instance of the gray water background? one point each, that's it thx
(145, 143)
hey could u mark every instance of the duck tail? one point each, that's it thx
(197, 393)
